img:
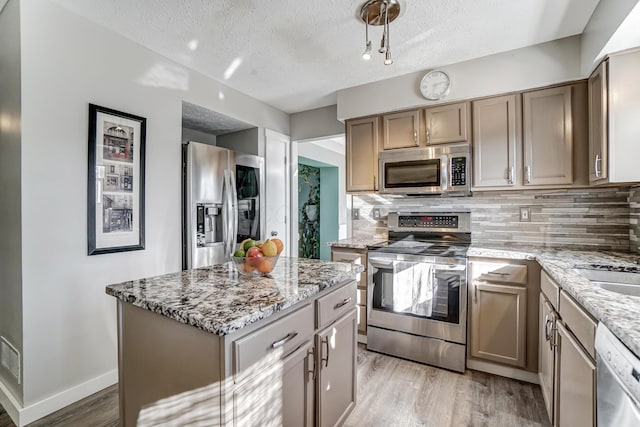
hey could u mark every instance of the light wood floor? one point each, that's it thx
(391, 392)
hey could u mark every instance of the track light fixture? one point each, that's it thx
(379, 12)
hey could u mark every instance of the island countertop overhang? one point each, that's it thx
(218, 300)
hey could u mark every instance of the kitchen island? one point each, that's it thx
(238, 350)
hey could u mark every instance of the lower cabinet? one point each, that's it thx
(336, 382)
(298, 387)
(576, 383)
(547, 354)
(498, 318)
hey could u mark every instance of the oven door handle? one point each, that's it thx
(381, 263)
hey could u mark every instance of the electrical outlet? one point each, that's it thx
(10, 358)
(525, 214)
(376, 213)
(355, 213)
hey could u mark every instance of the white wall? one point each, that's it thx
(604, 23)
(317, 123)
(197, 136)
(68, 62)
(519, 69)
(10, 240)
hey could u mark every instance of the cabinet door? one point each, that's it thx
(498, 323)
(336, 383)
(546, 353)
(576, 383)
(352, 257)
(298, 388)
(448, 123)
(362, 154)
(495, 141)
(598, 117)
(548, 137)
(400, 130)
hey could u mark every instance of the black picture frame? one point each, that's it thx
(116, 172)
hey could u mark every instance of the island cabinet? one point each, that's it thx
(503, 312)
(567, 357)
(362, 154)
(614, 104)
(296, 367)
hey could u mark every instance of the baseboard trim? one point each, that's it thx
(23, 416)
(10, 403)
(503, 371)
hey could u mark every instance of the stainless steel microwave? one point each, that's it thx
(442, 169)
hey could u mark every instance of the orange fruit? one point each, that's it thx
(279, 244)
(266, 266)
(247, 267)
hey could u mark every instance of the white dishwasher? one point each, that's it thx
(618, 381)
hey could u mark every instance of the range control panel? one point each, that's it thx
(459, 171)
(428, 221)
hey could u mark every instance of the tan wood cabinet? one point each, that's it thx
(298, 388)
(567, 370)
(356, 256)
(362, 154)
(498, 319)
(400, 130)
(598, 135)
(614, 103)
(547, 136)
(447, 123)
(336, 382)
(497, 141)
(575, 405)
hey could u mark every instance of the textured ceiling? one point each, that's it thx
(204, 120)
(295, 54)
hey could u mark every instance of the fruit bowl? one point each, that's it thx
(255, 266)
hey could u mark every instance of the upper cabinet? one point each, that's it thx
(400, 130)
(496, 139)
(547, 136)
(447, 123)
(362, 154)
(614, 108)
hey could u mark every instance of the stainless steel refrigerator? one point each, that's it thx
(222, 202)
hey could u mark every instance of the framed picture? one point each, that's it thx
(116, 181)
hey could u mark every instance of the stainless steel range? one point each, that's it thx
(417, 288)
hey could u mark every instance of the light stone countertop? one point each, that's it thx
(355, 242)
(620, 313)
(218, 300)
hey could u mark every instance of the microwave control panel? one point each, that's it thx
(431, 221)
(458, 171)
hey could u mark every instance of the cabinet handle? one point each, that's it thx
(342, 304)
(428, 136)
(284, 340)
(311, 355)
(511, 173)
(527, 170)
(596, 172)
(325, 340)
(495, 273)
(475, 293)
(415, 137)
(549, 332)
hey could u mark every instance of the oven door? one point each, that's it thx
(418, 296)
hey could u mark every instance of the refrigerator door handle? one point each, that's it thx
(233, 194)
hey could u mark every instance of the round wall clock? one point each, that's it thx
(435, 85)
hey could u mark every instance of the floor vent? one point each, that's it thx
(10, 358)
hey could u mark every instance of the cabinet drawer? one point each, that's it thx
(500, 272)
(579, 322)
(284, 335)
(362, 297)
(550, 289)
(335, 304)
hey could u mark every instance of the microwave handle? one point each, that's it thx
(444, 173)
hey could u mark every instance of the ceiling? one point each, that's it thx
(295, 54)
(208, 121)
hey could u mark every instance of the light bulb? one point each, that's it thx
(387, 58)
(366, 55)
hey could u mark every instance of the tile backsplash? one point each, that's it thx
(634, 219)
(602, 218)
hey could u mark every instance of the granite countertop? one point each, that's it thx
(620, 313)
(218, 300)
(356, 242)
